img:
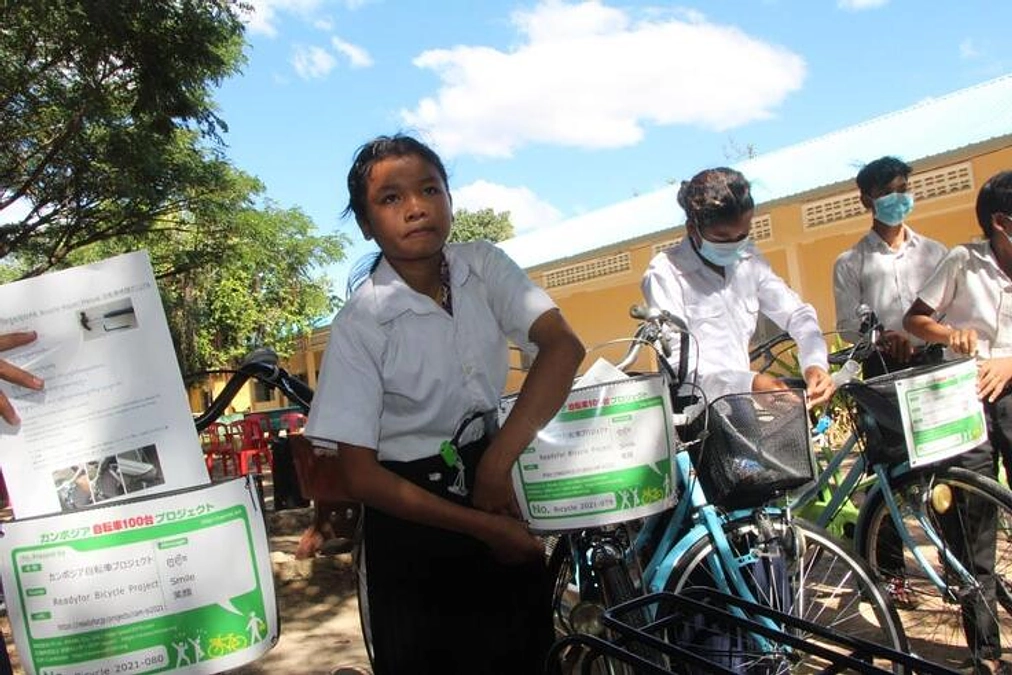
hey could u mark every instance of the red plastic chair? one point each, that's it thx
(292, 422)
(219, 443)
(253, 446)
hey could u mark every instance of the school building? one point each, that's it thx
(807, 212)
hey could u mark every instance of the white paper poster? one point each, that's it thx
(143, 587)
(604, 458)
(113, 421)
(941, 413)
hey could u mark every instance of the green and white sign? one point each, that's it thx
(174, 584)
(604, 458)
(942, 416)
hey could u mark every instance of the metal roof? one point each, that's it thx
(932, 126)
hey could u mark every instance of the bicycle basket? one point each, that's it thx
(756, 446)
(877, 416)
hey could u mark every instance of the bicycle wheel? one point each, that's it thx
(798, 569)
(954, 503)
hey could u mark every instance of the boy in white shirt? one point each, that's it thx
(886, 268)
(717, 282)
(972, 288)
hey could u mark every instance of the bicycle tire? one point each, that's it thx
(804, 572)
(362, 591)
(936, 617)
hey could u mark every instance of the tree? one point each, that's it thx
(104, 107)
(109, 142)
(482, 224)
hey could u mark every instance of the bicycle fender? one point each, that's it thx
(674, 556)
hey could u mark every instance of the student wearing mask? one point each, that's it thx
(887, 267)
(718, 283)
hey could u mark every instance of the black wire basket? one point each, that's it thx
(877, 416)
(756, 446)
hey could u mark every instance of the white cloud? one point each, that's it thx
(312, 63)
(262, 16)
(358, 56)
(526, 210)
(968, 50)
(858, 5)
(588, 75)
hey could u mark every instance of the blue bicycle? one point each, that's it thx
(732, 530)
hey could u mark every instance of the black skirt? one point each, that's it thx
(439, 602)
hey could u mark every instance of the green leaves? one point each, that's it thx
(110, 142)
(482, 224)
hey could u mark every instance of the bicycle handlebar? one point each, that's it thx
(261, 365)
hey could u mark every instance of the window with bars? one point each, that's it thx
(923, 186)
(762, 228)
(591, 269)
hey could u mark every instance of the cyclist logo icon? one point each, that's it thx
(255, 625)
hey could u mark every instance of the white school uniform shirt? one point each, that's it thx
(873, 274)
(400, 373)
(972, 291)
(722, 313)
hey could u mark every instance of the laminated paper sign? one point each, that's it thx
(143, 587)
(941, 413)
(604, 458)
(113, 422)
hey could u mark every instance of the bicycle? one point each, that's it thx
(925, 509)
(756, 550)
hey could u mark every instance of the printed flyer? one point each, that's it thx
(942, 416)
(142, 587)
(604, 458)
(113, 421)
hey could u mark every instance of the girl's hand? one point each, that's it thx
(820, 386)
(511, 543)
(15, 375)
(993, 375)
(493, 488)
(963, 341)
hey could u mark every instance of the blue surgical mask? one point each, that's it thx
(892, 209)
(722, 253)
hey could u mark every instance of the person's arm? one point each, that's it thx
(15, 375)
(544, 391)
(786, 309)
(847, 296)
(379, 488)
(918, 321)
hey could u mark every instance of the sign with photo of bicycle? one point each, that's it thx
(604, 458)
(942, 416)
(142, 586)
(113, 421)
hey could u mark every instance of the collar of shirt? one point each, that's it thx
(391, 296)
(981, 250)
(910, 240)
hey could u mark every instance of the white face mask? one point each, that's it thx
(892, 209)
(722, 253)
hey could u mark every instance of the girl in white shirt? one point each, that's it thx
(456, 584)
(717, 282)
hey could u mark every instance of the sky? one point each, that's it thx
(551, 109)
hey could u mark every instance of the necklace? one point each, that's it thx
(445, 296)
